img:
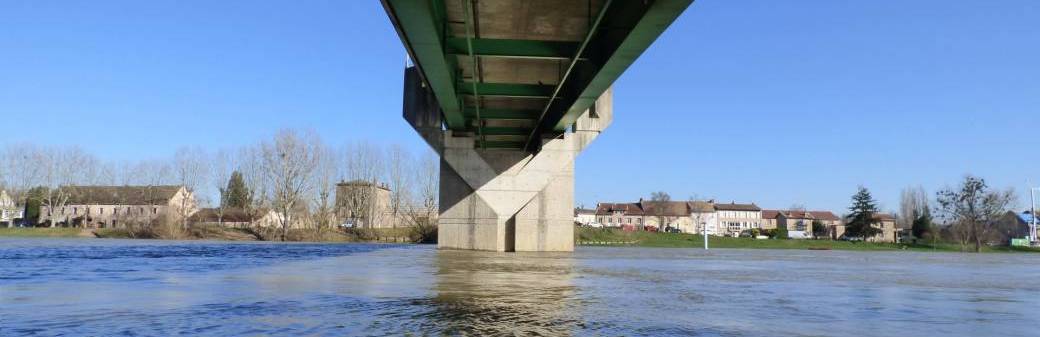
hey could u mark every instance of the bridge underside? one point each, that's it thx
(508, 92)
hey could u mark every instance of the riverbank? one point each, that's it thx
(216, 233)
(614, 237)
(42, 232)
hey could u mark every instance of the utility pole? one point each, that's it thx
(1032, 214)
(704, 229)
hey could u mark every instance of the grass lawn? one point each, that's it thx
(40, 232)
(676, 240)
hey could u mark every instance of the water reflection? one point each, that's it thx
(482, 293)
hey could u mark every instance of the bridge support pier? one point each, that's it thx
(503, 199)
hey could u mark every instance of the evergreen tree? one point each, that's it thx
(781, 233)
(859, 222)
(33, 201)
(922, 225)
(819, 229)
(236, 194)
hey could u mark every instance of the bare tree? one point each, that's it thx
(421, 212)
(191, 170)
(398, 162)
(972, 209)
(61, 169)
(659, 208)
(325, 186)
(19, 170)
(251, 165)
(363, 169)
(913, 203)
(289, 161)
(221, 166)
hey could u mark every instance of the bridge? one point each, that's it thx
(508, 92)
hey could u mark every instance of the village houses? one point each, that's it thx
(115, 206)
(727, 219)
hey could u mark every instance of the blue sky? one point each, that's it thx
(775, 102)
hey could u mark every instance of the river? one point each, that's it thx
(94, 287)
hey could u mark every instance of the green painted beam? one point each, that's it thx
(494, 113)
(506, 90)
(652, 20)
(504, 131)
(417, 25)
(512, 48)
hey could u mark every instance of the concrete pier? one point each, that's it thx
(504, 199)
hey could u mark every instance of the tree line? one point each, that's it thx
(970, 214)
(291, 172)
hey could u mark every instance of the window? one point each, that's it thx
(101, 210)
(155, 210)
(75, 210)
(639, 221)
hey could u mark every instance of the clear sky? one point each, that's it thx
(776, 102)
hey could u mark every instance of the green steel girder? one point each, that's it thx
(420, 26)
(513, 48)
(506, 90)
(504, 131)
(634, 25)
(504, 114)
(622, 32)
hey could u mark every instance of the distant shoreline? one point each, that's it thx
(585, 237)
(619, 238)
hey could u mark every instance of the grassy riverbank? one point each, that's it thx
(401, 235)
(597, 236)
(40, 232)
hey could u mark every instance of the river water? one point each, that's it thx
(56, 287)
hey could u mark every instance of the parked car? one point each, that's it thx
(671, 229)
(594, 225)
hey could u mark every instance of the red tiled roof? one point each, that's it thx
(814, 215)
(608, 208)
(770, 213)
(666, 208)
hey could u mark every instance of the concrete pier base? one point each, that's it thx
(503, 199)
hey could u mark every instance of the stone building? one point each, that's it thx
(239, 218)
(799, 222)
(620, 215)
(883, 221)
(365, 204)
(116, 206)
